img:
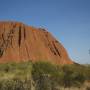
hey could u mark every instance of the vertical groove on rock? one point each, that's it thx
(27, 51)
(56, 49)
(6, 42)
(24, 33)
(19, 39)
(12, 32)
(50, 45)
(2, 46)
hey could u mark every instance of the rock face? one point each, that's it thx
(19, 42)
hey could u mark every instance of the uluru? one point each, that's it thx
(22, 43)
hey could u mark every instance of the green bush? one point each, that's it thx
(15, 84)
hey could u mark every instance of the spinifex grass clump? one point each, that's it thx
(42, 76)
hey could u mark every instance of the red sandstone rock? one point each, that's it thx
(19, 42)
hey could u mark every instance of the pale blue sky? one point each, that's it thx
(67, 20)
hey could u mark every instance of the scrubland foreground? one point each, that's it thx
(44, 76)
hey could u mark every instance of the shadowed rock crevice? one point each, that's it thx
(24, 33)
(19, 37)
(52, 46)
(56, 49)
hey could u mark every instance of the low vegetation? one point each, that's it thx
(42, 76)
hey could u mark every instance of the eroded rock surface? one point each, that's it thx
(19, 42)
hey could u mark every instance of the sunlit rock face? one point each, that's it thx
(19, 42)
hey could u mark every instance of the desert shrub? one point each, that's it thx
(42, 68)
(74, 75)
(40, 73)
(43, 82)
(46, 75)
(15, 84)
